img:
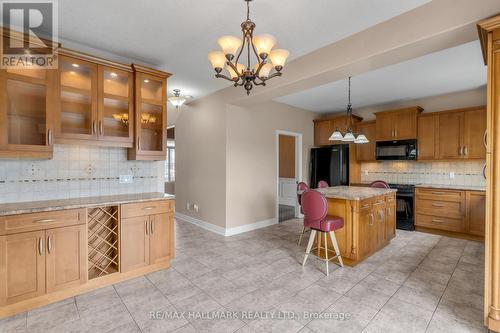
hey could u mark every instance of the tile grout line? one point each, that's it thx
(126, 307)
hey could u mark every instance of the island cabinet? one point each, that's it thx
(366, 152)
(458, 212)
(95, 101)
(400, 124)
(150, 87)
(323, 128)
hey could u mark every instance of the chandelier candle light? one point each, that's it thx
(348, 135)
(261, 46)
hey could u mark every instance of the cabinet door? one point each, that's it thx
(323, 129)
(366, 151)
(22, 266)
(385, 127)
(366, 222)
(77, 110)
(115, 105)
(160, 238)
(134, 243)
(405, 125)
(66, 257)
(474, 134)
(450, 135)
(390, 215)
(26, 111)
(476, 212)
(428, 137)
(380, 225)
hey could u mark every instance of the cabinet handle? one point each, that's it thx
(438, 193)
(437, 205)
(100, 127)
(149, 208)
(395, 133)
(40, 246)
(49, 137)
(49, 244)
(466, 150)
(138, 143)
(147, 233)
(152, 223)
(437, 221)
(44, 221)
(371, 219)
(460, 150)
(93, 127)
(365, 206)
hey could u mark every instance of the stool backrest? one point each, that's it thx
(301, 187)
(379, 184)
(323, 184)
(314, 207)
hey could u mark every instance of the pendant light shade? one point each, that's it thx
(336, 136)
(361, 139)
(349, 137)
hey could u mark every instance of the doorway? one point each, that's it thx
(289, 173)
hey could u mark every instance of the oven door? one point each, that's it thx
(396, 150)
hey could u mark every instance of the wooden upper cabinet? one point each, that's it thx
(398, 124)
(323, 128)
(95, 102)
(22, 266)
(366, 152)
(66, 258)
(462, 134)
(428, 127)
(450, 135)
(150, 114)
(475, 134)
(26, 113)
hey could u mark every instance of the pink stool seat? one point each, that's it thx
(331, 223)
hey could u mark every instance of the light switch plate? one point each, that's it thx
(126, 179)
(452, 175)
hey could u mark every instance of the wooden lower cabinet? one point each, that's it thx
(22, 266)
(66, 257)
(146, 240)
(365, 227)
(455, 211)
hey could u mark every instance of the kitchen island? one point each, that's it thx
(369, 219)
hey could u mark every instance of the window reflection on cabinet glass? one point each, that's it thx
(152, 90)
(76, 113)
(151, 127)
(26, 113)
(76, 75)
(116, 118)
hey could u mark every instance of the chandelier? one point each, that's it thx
(347, 135)
(261, 46)
(177, 100)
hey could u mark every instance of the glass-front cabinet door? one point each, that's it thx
(26, 110)
(77, 114)
(151, 116)
(115, 105)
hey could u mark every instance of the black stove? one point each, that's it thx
(405, 203)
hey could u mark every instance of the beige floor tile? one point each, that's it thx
(444, 323)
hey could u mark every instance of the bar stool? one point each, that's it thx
(379, 184)
(323, 184)
(315, 209)
(301, 187)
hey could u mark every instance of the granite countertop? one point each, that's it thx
(454, 187)
(52, 205)
(354, 192)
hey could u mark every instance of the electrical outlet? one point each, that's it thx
(452, 175)
(126, 179)
(366, 172)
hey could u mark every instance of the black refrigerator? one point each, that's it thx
(330, 164)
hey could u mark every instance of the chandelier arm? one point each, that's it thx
(262, 83)
(261, 64)
(255, 52)
(241, 50)
(274, 75)
(222, 76)
(230, 64)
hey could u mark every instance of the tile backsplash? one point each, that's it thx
(466, 173)
(78, 171)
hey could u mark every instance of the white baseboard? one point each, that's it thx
(225, 231)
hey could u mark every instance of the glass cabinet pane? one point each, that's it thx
(151, 119)
(116, 83)
(152, 90)
(116, 118)
(26, 113)
(76, 113)
(75, 75)
(35, 73)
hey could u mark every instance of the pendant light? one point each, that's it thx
(348, 135)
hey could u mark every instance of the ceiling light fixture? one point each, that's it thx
(261, 46)
(177, 100)
(347, 135)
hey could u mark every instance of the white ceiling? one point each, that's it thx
(176, 35)
(456, 69)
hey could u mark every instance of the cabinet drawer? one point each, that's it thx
(441, 223)
(365, 205)
(146, 208)
(41, 221)
(451, 209)
(440, 195)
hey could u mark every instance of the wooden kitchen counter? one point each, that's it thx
(369, 219)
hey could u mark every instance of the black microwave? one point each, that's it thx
(401, 150)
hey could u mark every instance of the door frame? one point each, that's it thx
(298, 166)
